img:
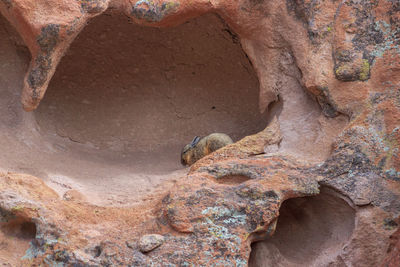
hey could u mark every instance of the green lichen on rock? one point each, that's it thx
(352, 71)
(17, 208)
(365, 70)
(345, 72)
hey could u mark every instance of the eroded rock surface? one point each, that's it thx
(149, 242)
(329, 74)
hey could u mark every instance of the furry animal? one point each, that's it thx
(201, 147)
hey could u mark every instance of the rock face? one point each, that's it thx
(320, 185)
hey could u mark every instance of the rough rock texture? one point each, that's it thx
(329, 74)
(311, 231)
(149, 242)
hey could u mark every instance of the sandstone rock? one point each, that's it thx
(329, 77)
(149, 242)
(74, 195)
(131, 244)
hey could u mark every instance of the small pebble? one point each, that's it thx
(149, 242)
(131, 244)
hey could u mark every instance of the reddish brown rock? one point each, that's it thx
(148, 243)
(393, 257)
(329, 79)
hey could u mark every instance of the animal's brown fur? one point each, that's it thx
(201, 147)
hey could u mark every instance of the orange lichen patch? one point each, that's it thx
(386, 72)
(345, 19)
(381, 8)
(391, 115)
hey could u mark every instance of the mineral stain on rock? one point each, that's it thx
(38, 75)
(48, 38)
(93, 6)
(152, 11)
(47, 41)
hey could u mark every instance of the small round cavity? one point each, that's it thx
(310, 231)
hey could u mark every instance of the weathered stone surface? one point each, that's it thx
(149, 242)
(393, 257)
(344, 54)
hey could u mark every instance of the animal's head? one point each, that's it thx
(187, 151)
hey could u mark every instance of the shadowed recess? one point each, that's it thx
(16, 233)
(310, 232)
(145, 92)
(122, 104)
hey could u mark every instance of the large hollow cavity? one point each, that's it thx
(145, 92)
(310, 231)
(123, 102)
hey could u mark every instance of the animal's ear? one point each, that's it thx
(195, 140)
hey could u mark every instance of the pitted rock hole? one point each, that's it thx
(310, 231)
(146, 92)
(16, 233)
(20, 228)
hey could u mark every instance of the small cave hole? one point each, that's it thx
(16, 235)
(28, 230)
(19, 228)
(97, 251)
(310, 231)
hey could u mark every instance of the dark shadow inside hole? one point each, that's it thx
(97, 251)
(16, 236)
(310, 231)
(28, 230)
(19, 228)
